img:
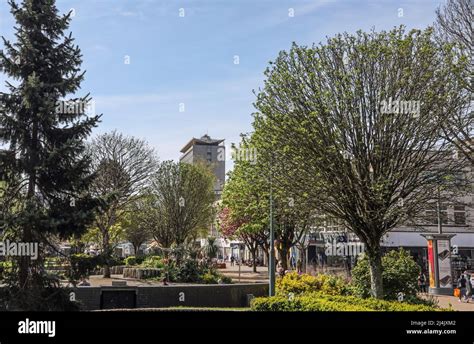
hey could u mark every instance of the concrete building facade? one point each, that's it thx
(210, 151)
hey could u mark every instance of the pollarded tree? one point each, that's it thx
(357, 122)
(183, 198)
(123, 167)
(48, 175)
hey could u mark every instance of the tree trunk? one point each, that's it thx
(25, 261)
(136, 248)
(303, 259)
(284, 257)
(106, 252)
(375, 264)
(253, 251)
(27, 235)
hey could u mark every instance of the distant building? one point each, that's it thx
(210, 151)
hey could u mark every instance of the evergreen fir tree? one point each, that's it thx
(48, 172)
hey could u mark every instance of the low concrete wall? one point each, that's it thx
(225, 295)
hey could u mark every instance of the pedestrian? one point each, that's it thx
(232, 260)
(468, 286)
(299, 266)
(462, 287)
(422, 282)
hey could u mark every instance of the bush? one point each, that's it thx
(400, 274)
(190, 272)
(132, 261)
(317, 301)
(155, 262)
(81, 266)
(44, 293)
(297, 284)
(5, 266)
(170, 270)
(210, 278)
(224, 279)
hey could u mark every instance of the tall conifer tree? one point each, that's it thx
(43, 131)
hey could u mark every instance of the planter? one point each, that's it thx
(141, 273)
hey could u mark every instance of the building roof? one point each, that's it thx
(204, 140)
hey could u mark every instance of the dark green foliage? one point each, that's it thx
(46, 146)
(132, 260)
(45, 293)
(47, 173)
(400, 274)
(81, 265)
(191, 271)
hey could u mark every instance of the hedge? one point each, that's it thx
(316, 301)
(302, 283)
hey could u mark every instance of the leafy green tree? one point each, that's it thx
(247, 194)
(183, 198)
(139, 223)
(48, 174)
(357, 125)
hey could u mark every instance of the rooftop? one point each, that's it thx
(204, 140)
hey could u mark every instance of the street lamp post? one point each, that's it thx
(271, 263)
(272, 250)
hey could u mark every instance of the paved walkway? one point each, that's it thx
(246, 274)
(447, 301)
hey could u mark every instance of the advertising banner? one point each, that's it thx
(444, 264)
(431, 263)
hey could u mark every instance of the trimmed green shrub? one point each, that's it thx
(315, 302)
(400, 274)
(297, 284)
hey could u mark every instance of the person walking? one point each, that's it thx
(468, 286)
(422, 282)
(462, 287)
(232, 260)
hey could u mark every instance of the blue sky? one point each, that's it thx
(190, 59)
